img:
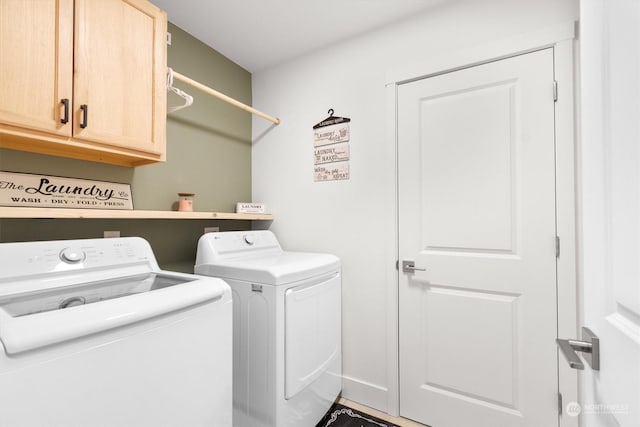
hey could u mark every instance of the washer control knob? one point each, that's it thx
(72, 255)
(249, 239)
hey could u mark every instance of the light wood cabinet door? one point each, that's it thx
(120, 72)
(36, 61)
(84, 79)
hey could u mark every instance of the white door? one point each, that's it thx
(610, 164)
(477, 214)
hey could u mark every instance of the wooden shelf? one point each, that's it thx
(17, 212)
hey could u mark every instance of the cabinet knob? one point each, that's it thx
(85, 115)
(65, 118)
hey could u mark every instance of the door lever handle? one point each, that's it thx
(590, 346)
(410, 267)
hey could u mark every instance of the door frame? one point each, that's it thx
(562, 38)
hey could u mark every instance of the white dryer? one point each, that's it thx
(93, 333)
(287, 364)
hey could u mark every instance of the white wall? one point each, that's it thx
(355, 219)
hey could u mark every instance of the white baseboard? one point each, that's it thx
(371, 395)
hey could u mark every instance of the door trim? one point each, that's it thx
(562, 38)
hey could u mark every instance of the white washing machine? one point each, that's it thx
(93, 333)
(287, 363)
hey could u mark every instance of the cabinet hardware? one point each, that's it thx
(85, 115)
(65, 117)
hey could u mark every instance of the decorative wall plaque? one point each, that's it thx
(45, 191)
(331, 152)
(332, 171)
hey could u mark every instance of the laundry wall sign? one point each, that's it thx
(45, 191)
(332, 171)
(331, 148)
(331, 134)
(332, 153)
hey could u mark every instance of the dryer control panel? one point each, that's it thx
(233, 244)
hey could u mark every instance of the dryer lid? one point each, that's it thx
(273, 269)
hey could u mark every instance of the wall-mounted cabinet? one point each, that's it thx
(84, 79)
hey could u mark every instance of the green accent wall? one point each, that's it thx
(208, 153)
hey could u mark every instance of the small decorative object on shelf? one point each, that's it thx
(185, 202)
(256, 208)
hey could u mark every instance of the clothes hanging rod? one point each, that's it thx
(224, 97)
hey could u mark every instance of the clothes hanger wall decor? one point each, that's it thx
(331, 120)
(332, 130)
(331, 148)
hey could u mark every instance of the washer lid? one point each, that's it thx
(88, 293)
(272, 269)
(37, 319)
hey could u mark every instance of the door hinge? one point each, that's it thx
(557, 247)
(397, 265)
(555, 91)
(559, 403)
